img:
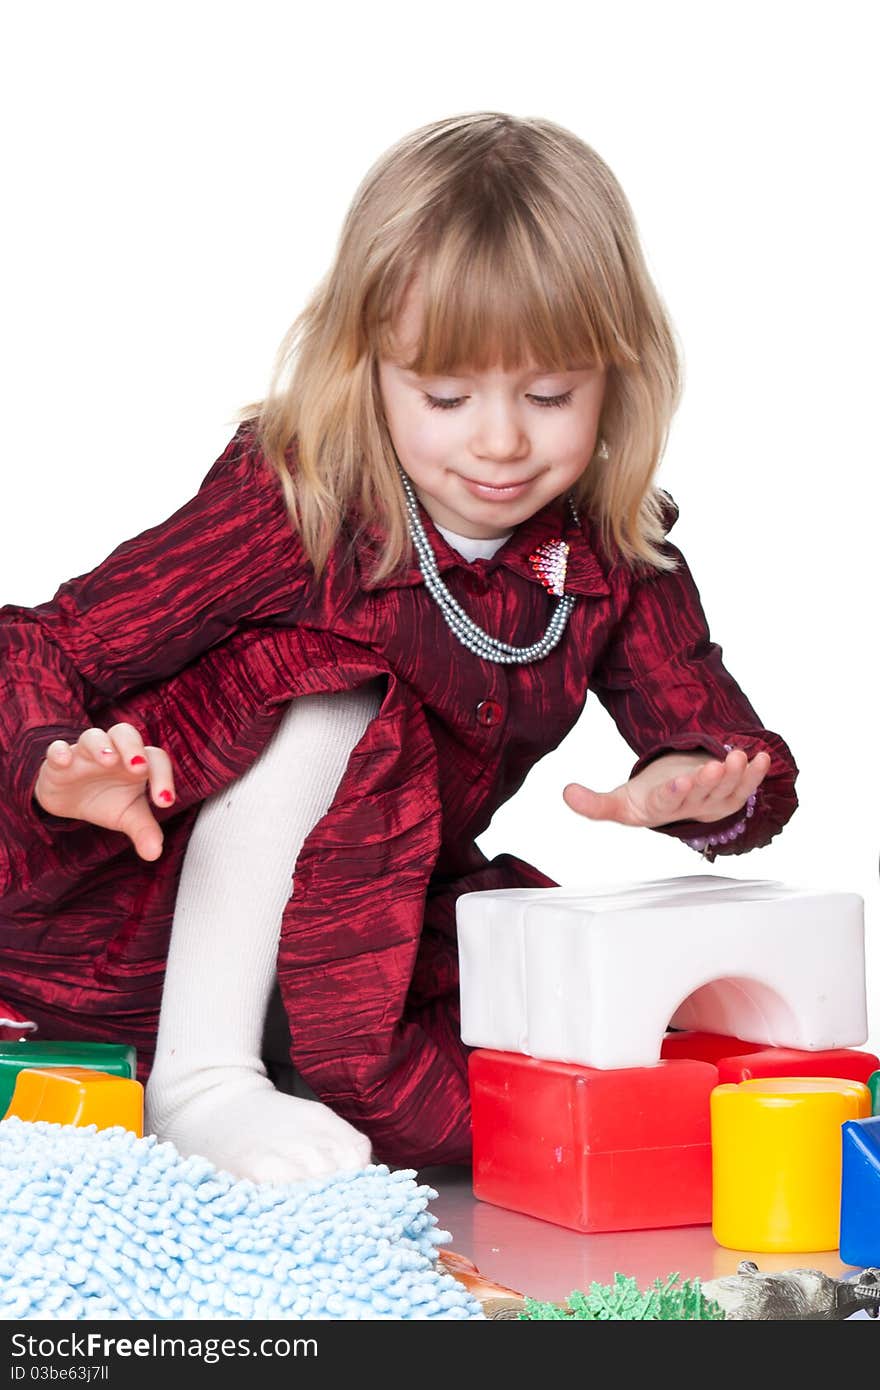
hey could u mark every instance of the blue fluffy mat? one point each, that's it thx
(101, 1224)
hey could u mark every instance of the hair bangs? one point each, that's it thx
(502, 302)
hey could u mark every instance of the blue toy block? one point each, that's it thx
(860, 1193)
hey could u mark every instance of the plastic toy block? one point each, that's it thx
(78, 1096)
(874, 1088)
(843, 1062)
(860, 1193)
(592, 1150)
(704, 1047)
(739, 1061)
(595, 977)
(115, 1058)
(776, 1160)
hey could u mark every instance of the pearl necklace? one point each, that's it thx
(464, 628)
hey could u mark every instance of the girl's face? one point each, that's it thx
(487, 450)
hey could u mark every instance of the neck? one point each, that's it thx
(472, 547)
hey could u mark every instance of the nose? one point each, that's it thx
(498, 434)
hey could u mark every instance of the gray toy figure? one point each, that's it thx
(793, 1294)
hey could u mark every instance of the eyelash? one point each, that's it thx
(442, 403)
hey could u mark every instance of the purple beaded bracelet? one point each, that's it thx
(704, 842)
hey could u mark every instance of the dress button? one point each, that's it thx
(489, 712)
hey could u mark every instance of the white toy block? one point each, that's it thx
(595, 976)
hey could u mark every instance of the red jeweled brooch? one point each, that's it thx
(549, 563)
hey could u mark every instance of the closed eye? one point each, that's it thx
(552, 400)
(450, 402)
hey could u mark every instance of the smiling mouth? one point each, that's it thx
(495, 487)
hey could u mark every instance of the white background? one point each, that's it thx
(174, 181)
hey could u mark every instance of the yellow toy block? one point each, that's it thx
(78, 1096)
(777, 1158)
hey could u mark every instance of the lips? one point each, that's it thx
(498, 487)
(493, 493)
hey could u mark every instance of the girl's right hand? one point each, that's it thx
(104, 778)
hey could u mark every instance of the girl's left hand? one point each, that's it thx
(678, 786)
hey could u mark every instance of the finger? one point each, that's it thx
(730, 798)
(129, 744)
(161, 775)
(142, 829)
(598, 805)
(96, 744)
(706, 780)
(756, 772)
(736, 798)
(145, 760)
(733, 770)
(59, 752)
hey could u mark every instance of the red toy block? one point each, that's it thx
(843, 1062)
(740, 1061)
(618, 1150)
(705, 1047)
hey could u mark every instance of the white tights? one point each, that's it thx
(209, 1092)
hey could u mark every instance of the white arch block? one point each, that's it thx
(596, 976)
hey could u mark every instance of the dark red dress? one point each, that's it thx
(199, 631)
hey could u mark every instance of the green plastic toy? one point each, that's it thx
(874, 1088)
(663, 1301)
(115, 1058)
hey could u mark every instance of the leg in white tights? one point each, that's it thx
(209, 1092)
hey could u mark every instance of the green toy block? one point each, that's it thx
(116, 1058)
(874, 1088)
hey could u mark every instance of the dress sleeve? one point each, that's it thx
(226, 559)
(662, 680)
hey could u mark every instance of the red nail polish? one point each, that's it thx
(138, 761)
(166, 796)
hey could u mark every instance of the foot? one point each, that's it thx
(241, 1124)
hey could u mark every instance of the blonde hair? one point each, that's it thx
(525, 242)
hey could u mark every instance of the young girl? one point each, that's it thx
(257, 743)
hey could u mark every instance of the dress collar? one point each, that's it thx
(583, 574)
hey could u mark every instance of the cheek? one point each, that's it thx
(570, 436)
(429, 435)
(587, 427)
(574, 447)
(407, 425)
